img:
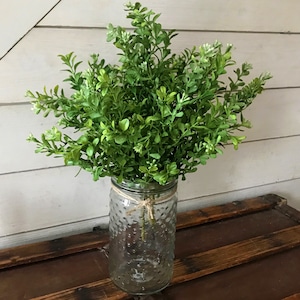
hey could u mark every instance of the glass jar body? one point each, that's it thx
(142, 228)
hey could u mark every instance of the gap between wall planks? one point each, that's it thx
(40, 65)
(201, 264)
(184, 12)
(270, 101)
(99, 238)
(15, 21)
(256, 15)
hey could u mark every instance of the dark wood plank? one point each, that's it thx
(83, 242)
(228, 210)
(51, 249)
(235, 254)
(198, 265)
(272, 278)
(224, 232)
(50, 276)
(53, 275)
(289, 212)
(102, 289)
(293, 297)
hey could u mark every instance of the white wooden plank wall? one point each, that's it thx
(40, 198)
(18, 17)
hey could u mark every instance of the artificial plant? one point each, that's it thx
(156, 115)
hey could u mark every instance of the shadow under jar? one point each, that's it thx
(142, 228)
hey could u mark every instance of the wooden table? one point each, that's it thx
(241, 250)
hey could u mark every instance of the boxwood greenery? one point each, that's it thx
(153, 117)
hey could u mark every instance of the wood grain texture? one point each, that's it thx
(197, 265)
(293, 297)
(228, 210)
(254, 164)
(235, 254)
(83, 242)
(18, 17)
(264, 33)
(189, 15)
(267, 238)
(65, 199)
(270, 278)
(288, 189)
(102, 289)
(50, 198)
(274, 114)
(34, 65)
(52, 249)
(290, 212)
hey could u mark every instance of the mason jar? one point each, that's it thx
(142, 228)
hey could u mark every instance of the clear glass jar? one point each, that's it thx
(142, 230)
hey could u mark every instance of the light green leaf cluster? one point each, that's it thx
(155, 116)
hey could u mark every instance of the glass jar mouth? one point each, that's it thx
(143, 187)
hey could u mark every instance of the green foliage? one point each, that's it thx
(155, 116)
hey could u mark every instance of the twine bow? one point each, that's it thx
(147, 204)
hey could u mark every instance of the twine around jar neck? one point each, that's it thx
(147, 203)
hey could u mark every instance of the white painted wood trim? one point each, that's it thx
(232, 15)
(18, 17)
(254, 164)
(50, 197)
(33, 63)
(287, 189)
(273, 114)
(40, 201)
(46, 234)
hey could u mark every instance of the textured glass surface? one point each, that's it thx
(142, 234)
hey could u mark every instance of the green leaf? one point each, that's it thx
(161, 178)
(31, 138)
(124, 124)
(55, 90)
(181, 127)
(90, 151)
(82, 140)
(157, 138)
(95, 115)
(140, 118)
(152, 118)
(121, 160)
(120, 139)
(172, 169)
(154, 115)
(53, 134)
(96, 141)
(155, 155)
(179, 115)
(143, 169)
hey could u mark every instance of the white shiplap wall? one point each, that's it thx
(40, 198)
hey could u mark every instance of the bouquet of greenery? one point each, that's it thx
(153, 117)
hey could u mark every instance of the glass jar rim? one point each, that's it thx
(137, 187)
